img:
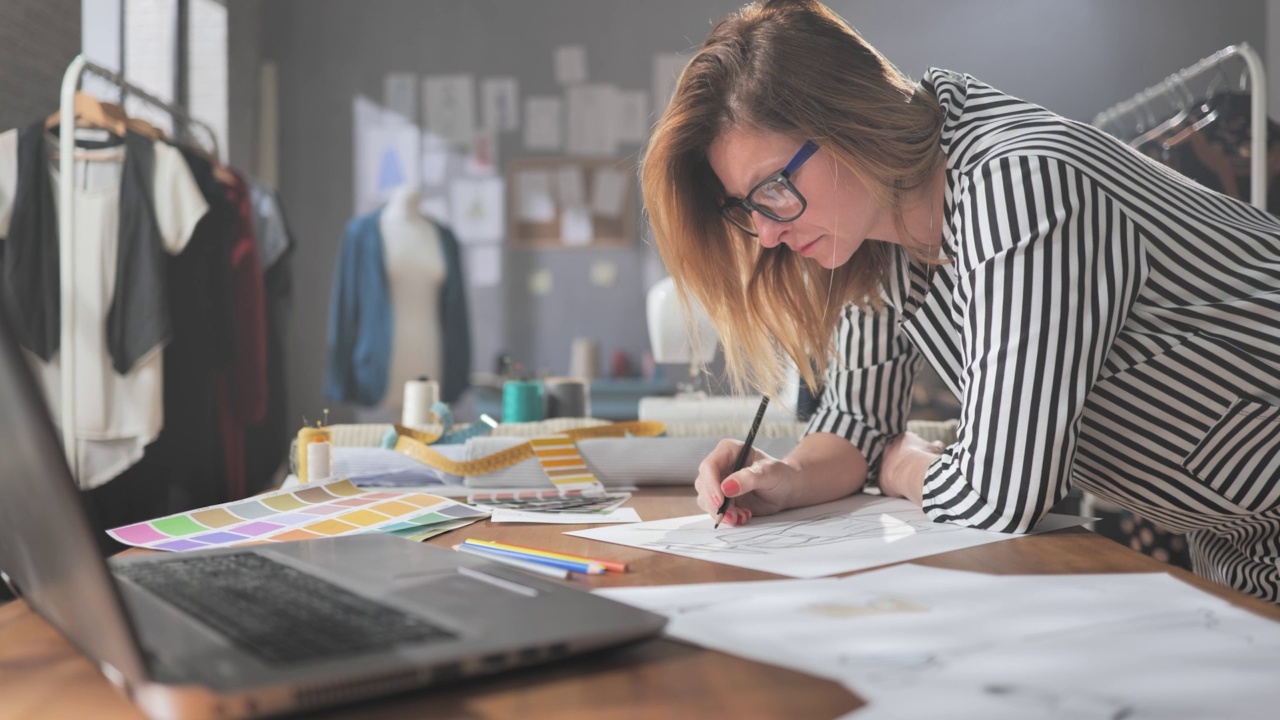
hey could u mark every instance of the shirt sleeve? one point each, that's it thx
(868, 383)
(178, 201)
(8, 178)
(1046, 280)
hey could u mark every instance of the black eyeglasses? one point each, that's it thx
(775, 197)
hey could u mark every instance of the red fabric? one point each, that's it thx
(242, 393)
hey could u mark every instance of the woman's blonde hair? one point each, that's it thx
(791, 67)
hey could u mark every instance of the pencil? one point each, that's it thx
(606, 564)
(743, 454)
(533, 567)
(585, 568)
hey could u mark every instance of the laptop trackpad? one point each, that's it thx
(465, 599)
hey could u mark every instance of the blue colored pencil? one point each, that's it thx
(581, 567)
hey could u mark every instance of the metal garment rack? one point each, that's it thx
(66, 222)
(1257, 108)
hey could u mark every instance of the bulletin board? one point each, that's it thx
(571, 203)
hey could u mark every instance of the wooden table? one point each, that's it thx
(42, 676)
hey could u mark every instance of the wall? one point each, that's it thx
(38, 39)
(1076, 58)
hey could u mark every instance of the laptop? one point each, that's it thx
(269, 629)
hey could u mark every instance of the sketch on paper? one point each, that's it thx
(857, 532)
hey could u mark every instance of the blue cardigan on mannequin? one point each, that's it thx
(360, 322)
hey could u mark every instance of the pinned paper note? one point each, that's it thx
(400, 95)
(435, 207)
(608, 192)
(575, 226)
(535, 200)
(435, 160)
(449, 107)
(483, 159)
(542, 123)
(476, 206)
(633, 116)
(571, 185)
(593, 120)
(666, 71)
(386, 154)
(499, 98)
(571, 64)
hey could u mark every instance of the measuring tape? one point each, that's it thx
(416, 444)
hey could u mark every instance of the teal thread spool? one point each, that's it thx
(521, 401)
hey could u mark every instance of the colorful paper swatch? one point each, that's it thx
(329, 509)
(562, 462)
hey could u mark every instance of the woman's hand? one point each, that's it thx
(905, 462)
(761, 487)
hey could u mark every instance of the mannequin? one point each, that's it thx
(416, 271)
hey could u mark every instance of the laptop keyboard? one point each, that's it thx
(278, 613)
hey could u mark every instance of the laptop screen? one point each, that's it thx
(47, 546)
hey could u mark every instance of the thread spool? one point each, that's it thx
(566, 397)
(306, 436)
(584, 359)
(419, 397)
(320, 459)
(521, 401)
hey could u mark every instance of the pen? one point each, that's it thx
(743, 454)
(585, 568)
(533, 567)
(606, 564)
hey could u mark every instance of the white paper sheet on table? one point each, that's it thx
(621, 515)
(923, 642)
(858, 532)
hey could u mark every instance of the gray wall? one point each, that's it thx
(38, 39)
(1077, 58)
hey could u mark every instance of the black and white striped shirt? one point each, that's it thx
(1102, 320)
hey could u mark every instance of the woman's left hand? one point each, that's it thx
(905, 462)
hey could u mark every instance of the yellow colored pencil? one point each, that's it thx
(606, 564)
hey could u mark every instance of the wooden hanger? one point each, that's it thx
(89, 113)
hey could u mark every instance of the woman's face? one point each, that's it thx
(839, 215)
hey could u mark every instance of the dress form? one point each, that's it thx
(416, 272)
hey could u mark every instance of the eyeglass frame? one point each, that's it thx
(783, 176)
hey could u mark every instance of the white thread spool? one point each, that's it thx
(584, 359)
(319, 460)
(419, 396)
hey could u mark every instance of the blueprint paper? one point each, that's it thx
(857, 532)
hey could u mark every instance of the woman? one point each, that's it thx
(1102, 320)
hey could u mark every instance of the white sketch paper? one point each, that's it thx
(435, 160)
(571, 64)
(477, 209)
(608, 192)
(593, 120)
(448, 107)
(620, 515)
(571, 185)
(575, 226)
(666, 71)
(633, 116)
(400, 95)
(500, 98)
(386, 154)
(857, 532)
(542, 123)
(534, 199)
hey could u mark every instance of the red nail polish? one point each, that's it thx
(731, 487)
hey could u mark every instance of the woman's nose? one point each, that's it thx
(768, 231)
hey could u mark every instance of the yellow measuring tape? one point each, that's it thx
(416, 444)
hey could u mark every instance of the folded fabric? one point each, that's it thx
(380, 467)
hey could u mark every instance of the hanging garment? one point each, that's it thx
(135, 204)
(360, 323)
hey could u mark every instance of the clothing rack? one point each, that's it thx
(66, 221)
(1257, 109)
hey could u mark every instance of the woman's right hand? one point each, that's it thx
(761, 487)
